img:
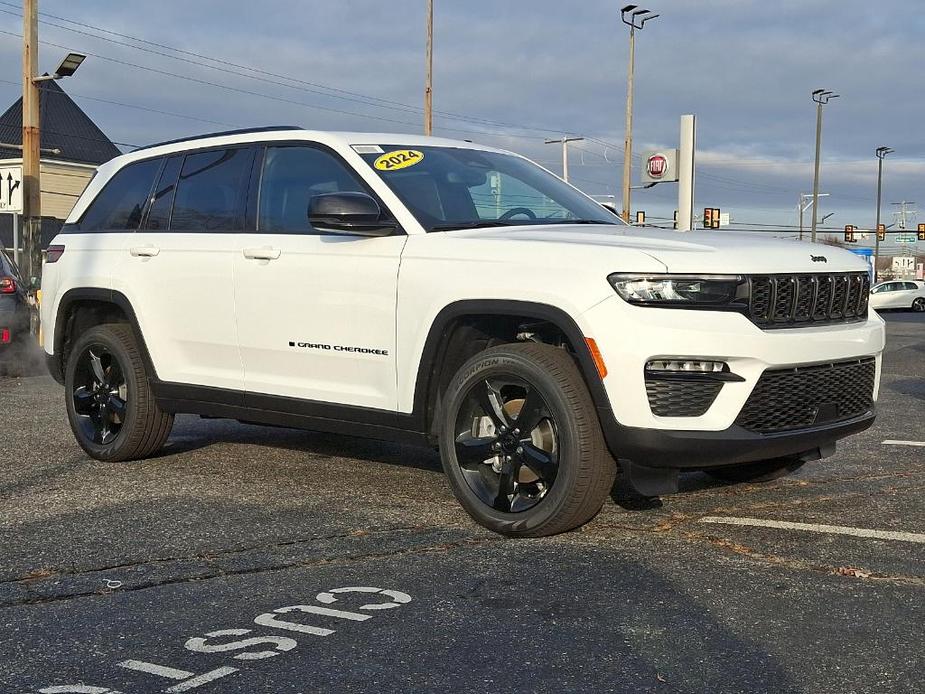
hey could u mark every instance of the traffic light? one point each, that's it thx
(707, 217)
(849, 233)
(881, 232)
(640, 217)
(715, 218)
(921, 232)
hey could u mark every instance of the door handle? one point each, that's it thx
(265, 253)
(144, 251)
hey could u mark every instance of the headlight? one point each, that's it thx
(680, 290)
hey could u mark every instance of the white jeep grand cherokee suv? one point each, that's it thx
(433, 291)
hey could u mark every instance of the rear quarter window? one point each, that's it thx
(121, 203)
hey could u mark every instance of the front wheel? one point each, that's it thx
(521, 444)
(760, 471)
(919, 305)
(110, 406)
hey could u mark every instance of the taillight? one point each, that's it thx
(5, 337)
(53, 253)
(7, 285)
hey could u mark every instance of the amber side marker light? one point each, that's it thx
(596, 356)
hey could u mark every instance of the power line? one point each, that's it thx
(356, 97)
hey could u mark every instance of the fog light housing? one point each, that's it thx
(699, 366)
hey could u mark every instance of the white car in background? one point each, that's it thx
(908, 294)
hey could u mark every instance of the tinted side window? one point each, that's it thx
(162, 200)
(120, 204)
(211, 191)
(291, 177)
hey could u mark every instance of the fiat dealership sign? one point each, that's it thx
(660, 166)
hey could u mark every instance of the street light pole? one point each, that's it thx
(564, 140)
(821, 97)
(429, 78)
(635, 19)
(881, 152)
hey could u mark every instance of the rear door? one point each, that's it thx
(177, 269)
(315, 311)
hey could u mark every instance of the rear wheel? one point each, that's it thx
(760, 471)
(919, 305)
(110, 406)
(521, 443)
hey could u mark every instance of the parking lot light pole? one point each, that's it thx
(881, 152)
(634, 18)
(821, 97)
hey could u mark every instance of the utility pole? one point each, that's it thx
(881, 152)
(31, 161)
(902, 213)
(821, 97)
(564, 140)
(429, 79)
(635, 19)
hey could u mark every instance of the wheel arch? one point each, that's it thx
(434, 362)
(103, 305)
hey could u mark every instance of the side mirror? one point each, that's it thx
(348, 213)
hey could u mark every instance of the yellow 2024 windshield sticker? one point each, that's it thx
(398, 159)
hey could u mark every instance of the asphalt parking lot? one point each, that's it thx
(217, 567)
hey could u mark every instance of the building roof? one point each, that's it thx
(64, 126)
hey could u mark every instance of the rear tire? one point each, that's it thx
(521, 443)
(760, 471)
(110, 405)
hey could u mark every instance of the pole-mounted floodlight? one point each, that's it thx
(635, 17)
(883, 151)
(68, 67)
(822, 96)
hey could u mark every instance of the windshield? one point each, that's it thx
(453, 188)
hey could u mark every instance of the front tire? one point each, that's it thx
(110, 405)
(760, 471)
(919, 305)
(521, 443)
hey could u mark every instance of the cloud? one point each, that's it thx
(745, 67)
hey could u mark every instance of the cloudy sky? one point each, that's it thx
(513, 72)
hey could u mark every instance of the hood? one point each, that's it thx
(694, 251)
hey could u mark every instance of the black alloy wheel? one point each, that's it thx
(111, 406)
(521, 443)
(99, 394)
(507, 444)
(918, 305)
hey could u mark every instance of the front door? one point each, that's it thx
(315, 311)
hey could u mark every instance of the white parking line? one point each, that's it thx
(815, 528)
(891, 442)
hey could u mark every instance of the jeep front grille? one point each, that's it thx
(807, 396)
(789, 301)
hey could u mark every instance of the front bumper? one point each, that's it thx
(680, 449)
(629, 336)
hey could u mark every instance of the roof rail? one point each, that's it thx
(242, 131)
